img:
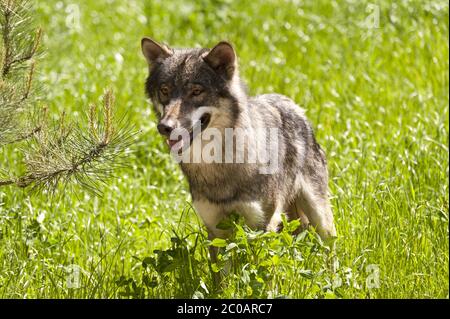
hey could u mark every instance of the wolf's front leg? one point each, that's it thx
(213, 251)
(211, 214)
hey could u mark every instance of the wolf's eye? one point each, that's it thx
(197, 91)
(164, 90)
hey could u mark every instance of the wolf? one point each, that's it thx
(202, 87)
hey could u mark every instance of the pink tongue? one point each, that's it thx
(171, 143)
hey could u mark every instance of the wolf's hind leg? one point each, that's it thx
(295, 212)
(317, 210)
(275, 221)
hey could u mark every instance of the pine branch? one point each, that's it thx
(25, 136)
(18, 48)
(94, 154)
(64, 152)
(86, 156)
(6, 11)
(6, 182)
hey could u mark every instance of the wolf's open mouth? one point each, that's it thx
(204, 122)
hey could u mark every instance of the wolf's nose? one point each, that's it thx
(165, 128)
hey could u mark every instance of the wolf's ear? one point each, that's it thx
(222, 59)
(152, 50)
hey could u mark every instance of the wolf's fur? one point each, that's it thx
(299, 188)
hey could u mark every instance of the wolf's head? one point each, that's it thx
(193, 87)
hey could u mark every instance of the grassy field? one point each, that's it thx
(375, 90)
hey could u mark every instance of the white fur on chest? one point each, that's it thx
(212, 214)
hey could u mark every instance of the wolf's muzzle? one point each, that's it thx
(166, 127)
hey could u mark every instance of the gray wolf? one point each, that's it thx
(181, 83)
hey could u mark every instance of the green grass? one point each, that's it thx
(377, 97)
